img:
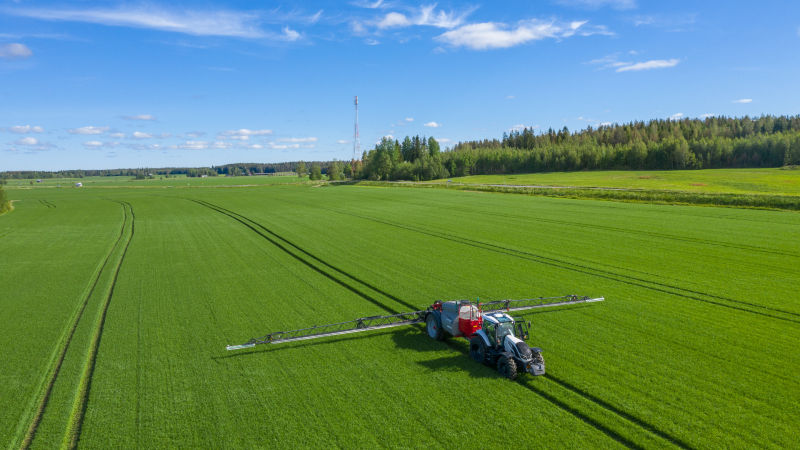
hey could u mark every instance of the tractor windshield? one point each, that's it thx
(503, 329)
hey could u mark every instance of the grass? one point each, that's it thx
(695, 346)
(709, 181)
(175, 181)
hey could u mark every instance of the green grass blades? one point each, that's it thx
(694, 347)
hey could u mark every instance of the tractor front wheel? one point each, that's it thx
(477, 349)
(507, 367)
(434, 328)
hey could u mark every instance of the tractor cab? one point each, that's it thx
(498, 325)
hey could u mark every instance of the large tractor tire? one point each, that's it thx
(434, 328)
(477, 349)
(507, 367)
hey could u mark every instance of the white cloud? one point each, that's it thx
(275, 146)
(394, 19)
(141, 135)
(517, 127)
(342, 141)
(303, 139)
(27, 141)
(676, 116)
(140, 117)
(433, 125)
(648, 65)
(706, 115)
(15, 51)
(443, 140)
(193, 145)
(370, 5)
(426, 16)
(409, 119)
(246, 132)
(744, 100)
(290, 35)
(117, 135)
(88, 130)
(604, 124)
(510, 97)
(488, 35)
(372, 41)
(188, 21)
(595, 4)
(25, 129)
(92, 144)
(195, 134)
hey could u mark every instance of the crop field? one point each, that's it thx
(729, 181)
(118, 304)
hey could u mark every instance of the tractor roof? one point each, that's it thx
(497, 317)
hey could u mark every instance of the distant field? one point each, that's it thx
(734, 181)
(117, 305)
(157, 181)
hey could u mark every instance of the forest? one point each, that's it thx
(714, 142)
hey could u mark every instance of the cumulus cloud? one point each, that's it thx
(648, 65)
(27, 141)
(88, 130)
(25, 129)
(433, 125)
(15, 50)
(141, 135)
(676, 116)
(140, 117)
(342, 141)
(744, 100)
(93, 144)
(706, 115)
(409, 119)
(489, 35)
(186, 21)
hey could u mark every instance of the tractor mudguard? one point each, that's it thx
(485, 338)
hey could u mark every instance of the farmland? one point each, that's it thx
(727, 181)
(118, 303)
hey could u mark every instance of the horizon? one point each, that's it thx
(112, 85)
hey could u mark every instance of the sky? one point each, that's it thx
(96, 85)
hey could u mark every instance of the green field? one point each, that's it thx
(118, 304)
(728, 181)
(176, 181)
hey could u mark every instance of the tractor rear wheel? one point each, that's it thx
(507, 367)
(434, 328)
(477, 349)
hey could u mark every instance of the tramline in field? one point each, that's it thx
(495, 338)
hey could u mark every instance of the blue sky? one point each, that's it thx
(153, 84)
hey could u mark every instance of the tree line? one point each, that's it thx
(714, 142)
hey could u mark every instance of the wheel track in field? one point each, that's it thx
(78, 413)
(667, 236)
(611, 408)
(44, 396)
(274, 239)
(601, 273)
(47, 203)
(610, 432)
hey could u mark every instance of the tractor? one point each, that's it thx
(495, 338)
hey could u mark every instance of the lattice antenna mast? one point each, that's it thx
(356, 139)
